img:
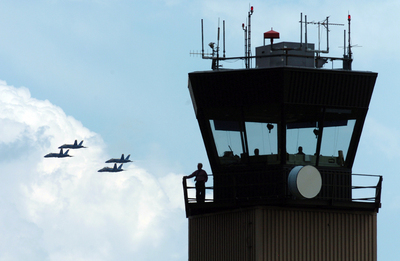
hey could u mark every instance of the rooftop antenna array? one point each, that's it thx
(325, 24)
(214, 55)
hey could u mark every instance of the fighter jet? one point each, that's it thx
(72, 146)
(108, 169)
(121, 160)
(58, 155)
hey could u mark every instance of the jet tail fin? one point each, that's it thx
(80, 143)
(66, 152)
(122, 157)
(128, 157)
(120, 166)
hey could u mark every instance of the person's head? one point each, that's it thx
(199, 166)
(256, 152)
(300, 149)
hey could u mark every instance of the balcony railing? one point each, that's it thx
(362, 190)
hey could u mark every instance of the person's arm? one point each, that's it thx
(191, 175)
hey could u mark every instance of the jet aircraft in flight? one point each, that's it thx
(108, 169)
(58, 155)
(121, 160)
(72, 146)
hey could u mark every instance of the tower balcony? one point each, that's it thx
(339, 190)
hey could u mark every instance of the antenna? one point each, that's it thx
(249, 37)
(202, 40)
(215, 46)
(349, 53)
(325, 23)
(347, 58)
(202, 53)
(214, 55)
(245, 45)
(218, 46)
(305, 29)
(301, 30)
(344, 44)
(223, 39)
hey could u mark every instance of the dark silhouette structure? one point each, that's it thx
(281, 205)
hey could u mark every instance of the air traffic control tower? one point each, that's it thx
(281, 139)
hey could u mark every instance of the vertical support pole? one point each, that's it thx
(202, 40)
(245, 45)
(185, 196)
(349, 54)
(223, 38)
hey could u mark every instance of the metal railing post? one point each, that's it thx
(185, 195)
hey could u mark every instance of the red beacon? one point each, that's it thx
(271, 35)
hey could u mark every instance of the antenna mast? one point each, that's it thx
(218, 45)
(202, 40)
(350, 58)
(347, 58)
(249, 38)
(325, 23)
(245, 45)
(223, 38)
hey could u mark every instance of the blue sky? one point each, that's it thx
(114, 73)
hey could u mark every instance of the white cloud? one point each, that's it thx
(64, 209)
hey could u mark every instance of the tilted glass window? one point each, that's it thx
(228, 140)
(243, 143)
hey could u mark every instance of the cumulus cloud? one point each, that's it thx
(63, 209)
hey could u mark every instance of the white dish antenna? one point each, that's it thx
(305, 181)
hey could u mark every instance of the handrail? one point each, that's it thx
(366, 196)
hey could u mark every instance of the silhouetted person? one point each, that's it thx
(300, 152)
(201, 179)
(256, 152)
